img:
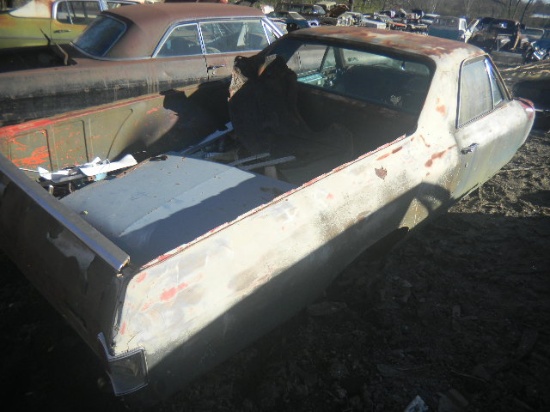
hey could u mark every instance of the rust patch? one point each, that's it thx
(435, 156)
(162, 258)
(424, 141)
(141, 277)
(123, 328)
(394, 151)
(330, 196)
(170, 293)
(381, 173)
(441, 109)
(38, 157)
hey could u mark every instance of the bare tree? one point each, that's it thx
(468, 7)
(429, 6)
(529, 2)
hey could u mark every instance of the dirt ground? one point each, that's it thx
(456, 318)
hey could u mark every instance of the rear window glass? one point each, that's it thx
(100, 36)
(368, 75)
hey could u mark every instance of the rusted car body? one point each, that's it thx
(337, 139)
(131, 51)
(39, 22)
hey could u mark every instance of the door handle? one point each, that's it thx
(62, 31)
(213, 68)
(469, 149)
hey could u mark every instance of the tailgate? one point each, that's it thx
(73, 265)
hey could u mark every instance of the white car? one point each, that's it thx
(337, 140)
(368, 21)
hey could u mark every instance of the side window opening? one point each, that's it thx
(182, 41)
(234, 36)
(77, 12)
(496, 85)
(480, 90)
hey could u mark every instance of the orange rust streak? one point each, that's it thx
(141, 277)
(435, 156)
(424, 141)
(38, 157)
(170, 293)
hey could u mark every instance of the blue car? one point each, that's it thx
(540, 49)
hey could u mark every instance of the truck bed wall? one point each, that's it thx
(143, 126)
(25, 58)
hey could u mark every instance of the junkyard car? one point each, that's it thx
(428, 18)
(40, 21)
(133, 50)
(378, 21)
(502, 38)
(337, 139)
(448, 27)
(309, 11)
(369, 20)
(539, 49)
(497, 34)
(291, 20)
(532, 33)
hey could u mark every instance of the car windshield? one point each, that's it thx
(447, 22)
(295, 16)
(100, 36)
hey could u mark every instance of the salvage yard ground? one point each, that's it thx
(457, 316)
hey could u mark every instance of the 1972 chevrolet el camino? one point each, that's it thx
(130, 51)
(169, 245)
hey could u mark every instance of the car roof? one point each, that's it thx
(430, 46)
(147, 23)
(147, 13)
